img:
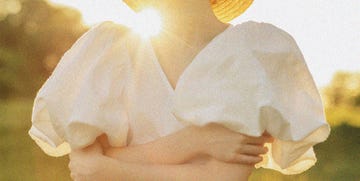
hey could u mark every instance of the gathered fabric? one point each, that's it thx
(251, 78)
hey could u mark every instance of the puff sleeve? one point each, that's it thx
(293, 110)
(258, 81)
(84, 96)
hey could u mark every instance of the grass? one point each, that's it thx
(21, 159)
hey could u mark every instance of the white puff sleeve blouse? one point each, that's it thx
(82, 97)
(250, 78)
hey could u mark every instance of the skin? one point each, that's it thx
(173, 157)
(211, 152)
(183, 36)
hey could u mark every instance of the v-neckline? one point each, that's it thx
(164, 78)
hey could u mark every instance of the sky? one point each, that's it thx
(327, 32)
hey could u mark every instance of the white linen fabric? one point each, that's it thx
(251, 78)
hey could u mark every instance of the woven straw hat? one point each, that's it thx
(225, 10)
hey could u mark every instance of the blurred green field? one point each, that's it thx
(22, 160)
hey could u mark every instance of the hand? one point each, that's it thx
(89, 163)
(229, 146)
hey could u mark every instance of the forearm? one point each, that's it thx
(176, 148)
(191, 142)
(212, 170)
(148, 172)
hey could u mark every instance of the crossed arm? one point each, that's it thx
(229, 156)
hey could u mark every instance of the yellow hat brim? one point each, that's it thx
(224, 10)
(227, 10)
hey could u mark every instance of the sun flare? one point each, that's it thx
(147, 23)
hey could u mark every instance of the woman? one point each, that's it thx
(174, 157)
(204, 72)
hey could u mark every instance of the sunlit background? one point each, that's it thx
(34, 34)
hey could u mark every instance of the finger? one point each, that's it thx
(268, 136)
(258, 140)
(247, 159)
(103, 140)
(253, 150)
